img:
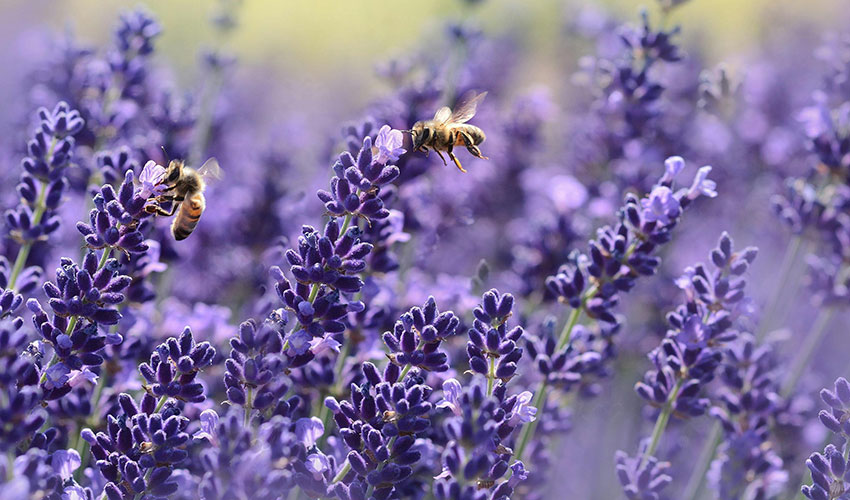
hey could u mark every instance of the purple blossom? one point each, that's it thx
(451, 395)
(65, 462)
(79, 377)
(317, 464)
(524, 412)
(672, 167)
(387, 146)
(309, 430)
(209, 427)
(661, 206)
(150, 180)
(298, 342)
(702, 185)
(326, 344)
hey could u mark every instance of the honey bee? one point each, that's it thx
(146, 447)
(184, 189)
(449, 129)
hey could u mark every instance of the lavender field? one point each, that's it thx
(489, 250)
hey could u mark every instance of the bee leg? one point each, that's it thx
(472, 148)
(158, 210)
(457, 162)
(441, 156)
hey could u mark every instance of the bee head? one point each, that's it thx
(420, 135)
(173, 172)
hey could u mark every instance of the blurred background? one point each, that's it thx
(306, 47)
(311, 78)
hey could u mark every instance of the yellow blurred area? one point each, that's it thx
(330, 35)
(303, 44)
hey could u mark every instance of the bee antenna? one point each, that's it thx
(164, 152)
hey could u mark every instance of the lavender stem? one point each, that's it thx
(804, 356)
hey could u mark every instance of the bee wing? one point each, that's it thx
(466, 109)
(210, 171)
(443, 114)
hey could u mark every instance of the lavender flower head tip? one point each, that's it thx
(150, 179)
(65, 462)
(518, 473)
(660, 206)
(387, 146)
(209, 426)
(451, 396)
(317, 464)
(672, 167)
(702, 185)
(524, 412)
(309, 430)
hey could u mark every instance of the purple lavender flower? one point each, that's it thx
(150, 179)
(174, 365)
(308, 431)
(417, 335)
(642, 477)
(451, 394)
(492, 348)
(355, 190)
(387, 146)
(43, 181)
(114, 222)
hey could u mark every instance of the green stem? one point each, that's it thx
(342, 472)
(804, 355)
(661, 422)
(314, 291)
(404, 372)
(248, 401)
(160, 404)
(703, 462)
(788, 261)
(491, 376)
(540, 394)
(346, 222)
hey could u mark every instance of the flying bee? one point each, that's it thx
(184, 189)
(449, 129)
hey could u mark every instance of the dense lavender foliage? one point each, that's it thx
(540, 327)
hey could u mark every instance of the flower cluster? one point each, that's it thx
(830, 473)
(379, 423)
(114, 222)
(417, 335)
(43, 181)
(747, 459)
(138, 452)
(690, 354)
(314, 361)
(254, 369)
(355, 189)
(174, 365)
(492, 348)
(620, 254)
